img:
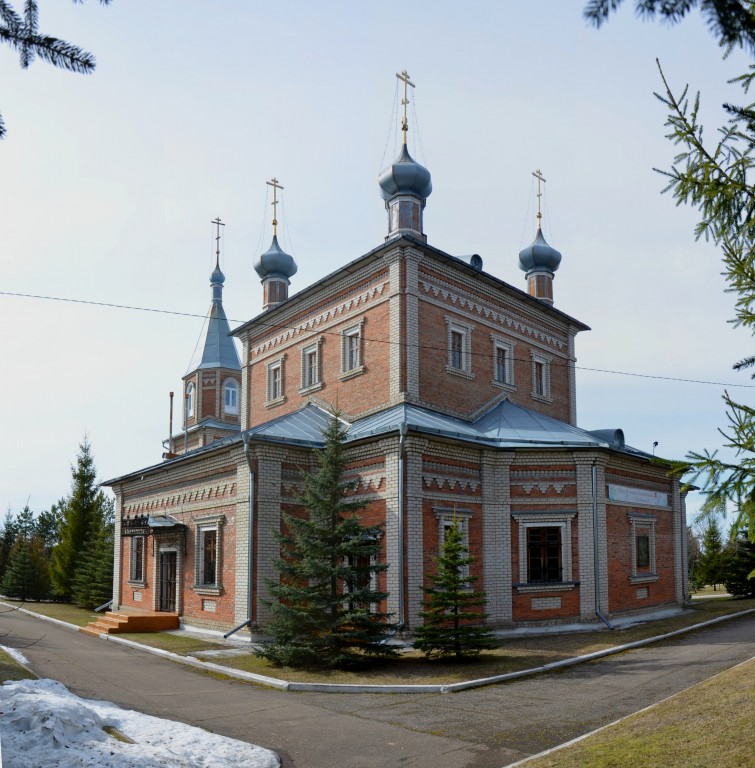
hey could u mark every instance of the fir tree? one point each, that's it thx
(7, 540)
(739, 567)
(711, 563)
(81, 515)
(453, 624)
(323, 608)
(27, 575)
(93, 582)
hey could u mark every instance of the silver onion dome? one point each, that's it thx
(275, 261)
(405, 177)
(539, 255)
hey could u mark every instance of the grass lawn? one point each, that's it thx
(12, 670)
(705, 726)
(166, 641)
(513, 655)
(63, 611)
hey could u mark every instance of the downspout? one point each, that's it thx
(596, 564)
(401, 608)
(250, 548)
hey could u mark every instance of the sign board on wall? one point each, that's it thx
(640, 496)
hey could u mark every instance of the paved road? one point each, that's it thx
(484, 728)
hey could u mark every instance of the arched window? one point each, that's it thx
(189, 399)
(231, 396)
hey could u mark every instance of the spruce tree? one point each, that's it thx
(93, 582)
(323, 612)
(7, 540)
(27, 575)
(453, 624)
(81, 515)
(711, 563)
(739, 567)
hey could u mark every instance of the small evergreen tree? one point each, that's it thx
(81, 515)
(739, 567)
(27, 576)
(7, 540)
(323, 607)
(93, 582)
(711, 564)
(453, 624)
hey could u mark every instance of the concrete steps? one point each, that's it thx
(114, 622)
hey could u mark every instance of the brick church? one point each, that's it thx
(460, 397)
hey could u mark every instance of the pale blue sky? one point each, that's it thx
(108, 184)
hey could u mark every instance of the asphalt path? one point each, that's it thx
(482, 728)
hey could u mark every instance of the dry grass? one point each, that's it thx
(706, 726)
(514, 655)
(10, 669)
(62, 611)
(166, 641)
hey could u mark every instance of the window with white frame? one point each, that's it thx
(541, 377)
(362, 576)
(545, 549)
(231, 396)
(275, 382)
(136, 565)
(352, 361)
(448, 517)
(207, 553)
(642, 534)
(189, 404)
(459, 346)
(503, 362)
(311, 375)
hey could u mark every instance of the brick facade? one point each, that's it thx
(560, 532)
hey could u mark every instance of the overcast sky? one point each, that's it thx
(108, 184)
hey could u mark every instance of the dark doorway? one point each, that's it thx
(168, 581)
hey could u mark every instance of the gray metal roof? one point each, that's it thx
(215, 347)
(506, 426)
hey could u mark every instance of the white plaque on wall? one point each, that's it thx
(639, 496)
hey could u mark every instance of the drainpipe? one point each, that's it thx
(598, 612)
(250, 560)
(401, 608)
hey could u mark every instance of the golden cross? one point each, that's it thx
(539, 177)
(404, 77)
(274, 184)
(218, 224)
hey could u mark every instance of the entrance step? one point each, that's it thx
(114, 622)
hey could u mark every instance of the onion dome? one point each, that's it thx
(539, 256)
(275, 262)
(405, 177)
(217, 277)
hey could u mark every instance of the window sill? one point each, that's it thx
(136, 583)
(274, 403)
(504, 385)
(353, 372)
(460, 372)
(207, 589)
(311, 388)
(643, 579)
(541, 398)
(549, 586)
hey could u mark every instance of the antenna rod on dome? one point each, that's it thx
(539, 176)
(276, 186)
(404, 77)
(218, 224)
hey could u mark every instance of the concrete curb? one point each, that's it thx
(584, 736)
(286, 685)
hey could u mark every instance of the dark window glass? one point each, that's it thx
(457, 341)
(643, 551)
(544, 554)
(209, 556)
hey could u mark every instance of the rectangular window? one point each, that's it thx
(457, 350)
(136, 571)
(310, 367)
(351, 350)
(275, 382)
(208, 556)
(501, 365)
(541, 377)
(544, 554)
(643, 551)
